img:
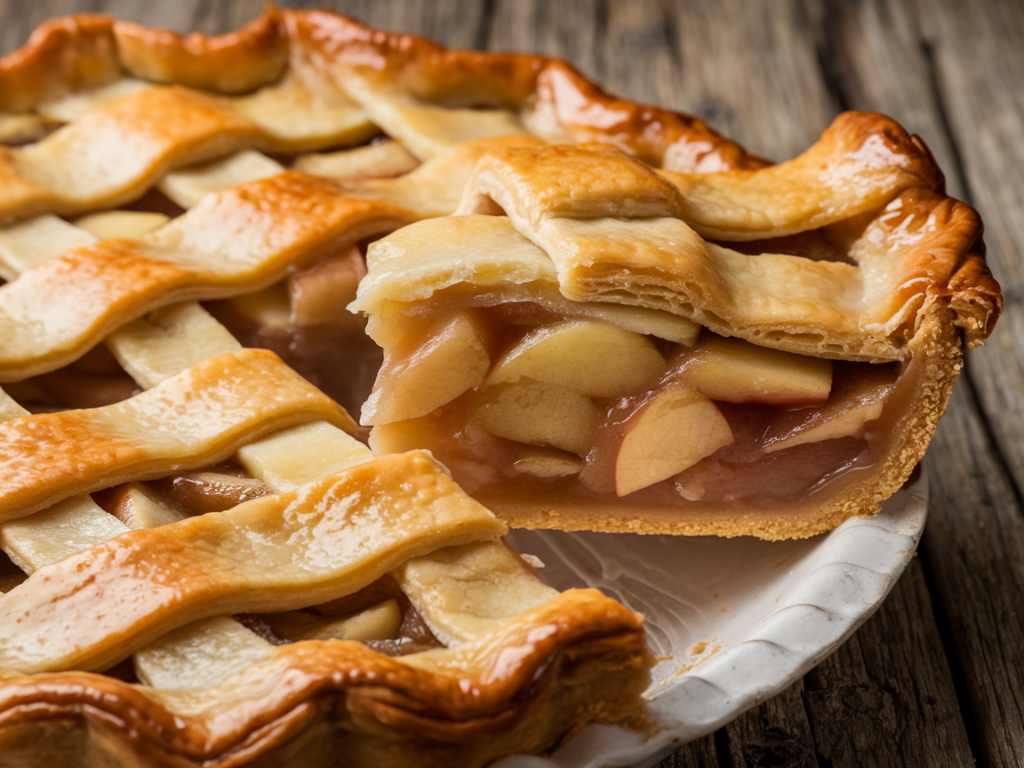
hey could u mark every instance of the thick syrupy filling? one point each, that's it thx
(522, 402)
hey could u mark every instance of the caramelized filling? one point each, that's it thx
(568, 409)
(379, 615)
(304, 320)
(92, 381)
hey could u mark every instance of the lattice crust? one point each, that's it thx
(338, 77)
(617, 232)
(327, 540)
(215, 691)
(218, 666)
(521, 664)
(320, 81)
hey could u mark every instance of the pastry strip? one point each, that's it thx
(232, 242)
(194, 419)
(177, 338)
(113, 152)
(618, 232)
(282, 552)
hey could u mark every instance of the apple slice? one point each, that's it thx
(541, 461)
(856, 401)
(736, 371)
(380, 622)
(321, 293)
(591, 358)
(539, 413)
(650, 439)
(429, 367)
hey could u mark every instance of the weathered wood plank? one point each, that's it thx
(950, 67)
(776, 732)
(886, 697)
(978, 62)
(697, 754)
(975, 544)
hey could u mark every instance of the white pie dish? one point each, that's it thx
(773, 610)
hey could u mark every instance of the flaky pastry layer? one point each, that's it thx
(578, 656)
(907, 283)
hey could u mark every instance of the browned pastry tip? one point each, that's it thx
(62, 56)
(545, 662)
(239, 61)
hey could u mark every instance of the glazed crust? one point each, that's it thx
(598, 226)
(583, 656)
(322, 690)
(78, 52)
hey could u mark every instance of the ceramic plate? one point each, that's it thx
(734, 621)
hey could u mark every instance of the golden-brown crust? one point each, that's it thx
(392, 705)
(300, 548)
(83, 51)
(197, 418)
(864, 165)
(239, 61)
(289, 220)
(552, 88)
(917, 291)
(62, 56)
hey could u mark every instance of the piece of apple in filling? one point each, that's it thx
(538, 413)
(588, 357)
(652, 437)
(432, 364)
(736, 371)
(539, 391)
(857, 401)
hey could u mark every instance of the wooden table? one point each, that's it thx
(936, 676)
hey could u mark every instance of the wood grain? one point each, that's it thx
(944, 70)
(936, 677)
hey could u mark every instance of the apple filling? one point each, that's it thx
(527, 403)
(304, 320)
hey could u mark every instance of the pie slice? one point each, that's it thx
(613, 346)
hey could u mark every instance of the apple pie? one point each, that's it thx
(203, 565)
(594, 342)
(201, 562)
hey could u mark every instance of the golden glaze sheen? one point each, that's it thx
(114, 153)
(277, 553)
(580, 655)
(255, 55)
(233, 242)
(909, 253)
(196, 418)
